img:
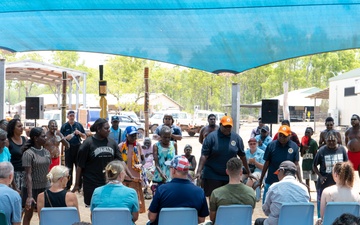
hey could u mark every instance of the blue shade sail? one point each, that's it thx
(214, 36)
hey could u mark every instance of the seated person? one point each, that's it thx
(179, 192)
(234, 192)
(342, 191)
(57, 195)
(114, 194)
(287, 190)
(263, 138)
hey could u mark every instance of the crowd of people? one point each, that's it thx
(113, 169)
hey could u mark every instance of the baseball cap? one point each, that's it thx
(71, 112)
(285, 130)
(286, 165)
(115, 118)
(131, 130)
(226, 120)
(266, 128)
(179, 162)
(252, 140)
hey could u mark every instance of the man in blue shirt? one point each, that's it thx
(218, 147)
(179, 192)
(277, 152)
(115, 131)
(263, 138)
(73, 133)
(10, 201)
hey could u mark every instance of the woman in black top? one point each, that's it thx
(16, 141)
(57, 195)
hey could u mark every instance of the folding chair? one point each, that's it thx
(178, 216)
(336, 209)
(233, 215)
(296, 214)
(103, 216)
(59, 216)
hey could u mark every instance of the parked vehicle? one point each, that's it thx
(181, 119)
(126, 121)
(200, 117)
(48, 115)
(131, 114)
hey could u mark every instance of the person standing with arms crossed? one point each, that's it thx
(73, 133)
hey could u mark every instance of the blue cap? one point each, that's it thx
(131, 130)
(115, 118)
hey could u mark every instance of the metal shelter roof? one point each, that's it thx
(39, 72)
(214, 36)
(323, 94)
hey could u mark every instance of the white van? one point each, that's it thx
(201, 116)
(180, 117)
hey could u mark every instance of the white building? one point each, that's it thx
(344, 98)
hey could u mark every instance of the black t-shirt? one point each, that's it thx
(16, 154)
(93, 157)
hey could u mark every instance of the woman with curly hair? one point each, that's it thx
(16, 142)
(93, 156)
(36, 161)
(342, 191)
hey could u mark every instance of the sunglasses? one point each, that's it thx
(133, 135)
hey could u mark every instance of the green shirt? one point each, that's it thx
(309, 156)
(231, 194)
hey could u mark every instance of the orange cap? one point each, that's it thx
(285, 130)
(226, 120)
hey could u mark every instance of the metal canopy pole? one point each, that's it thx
(235, 109)
(2, 88)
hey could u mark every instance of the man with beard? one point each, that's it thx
(329, 123)
(209, 128)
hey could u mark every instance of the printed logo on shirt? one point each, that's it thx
(308, 156)
(290, 150)
(331, 160)
(103, 149)
(233, 143)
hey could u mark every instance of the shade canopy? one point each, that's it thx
(213, 35)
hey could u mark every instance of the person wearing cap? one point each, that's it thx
(168, 120)
(235, 192)
(94, 154)
(327, 156)
(276, 152)
(74, 133)
(179, 192)
(257, 130)
(263, 138)
(191, 159)
(218, 147)
(205, 131)
(293, 136)
(115, 131)
(286, 190)
(132, 155)
(255, 156)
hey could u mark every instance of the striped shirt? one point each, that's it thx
(39, 160)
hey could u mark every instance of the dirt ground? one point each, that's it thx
(245, 131)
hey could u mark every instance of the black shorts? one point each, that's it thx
(209, 185)
(35, 193)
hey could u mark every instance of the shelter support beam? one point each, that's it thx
(2, 88)
(84, 92)
(235, 109)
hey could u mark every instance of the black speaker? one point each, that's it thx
(269, 111)
(34, 108)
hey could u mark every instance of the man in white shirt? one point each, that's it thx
(287, 190)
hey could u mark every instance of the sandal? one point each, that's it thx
(148, 196)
